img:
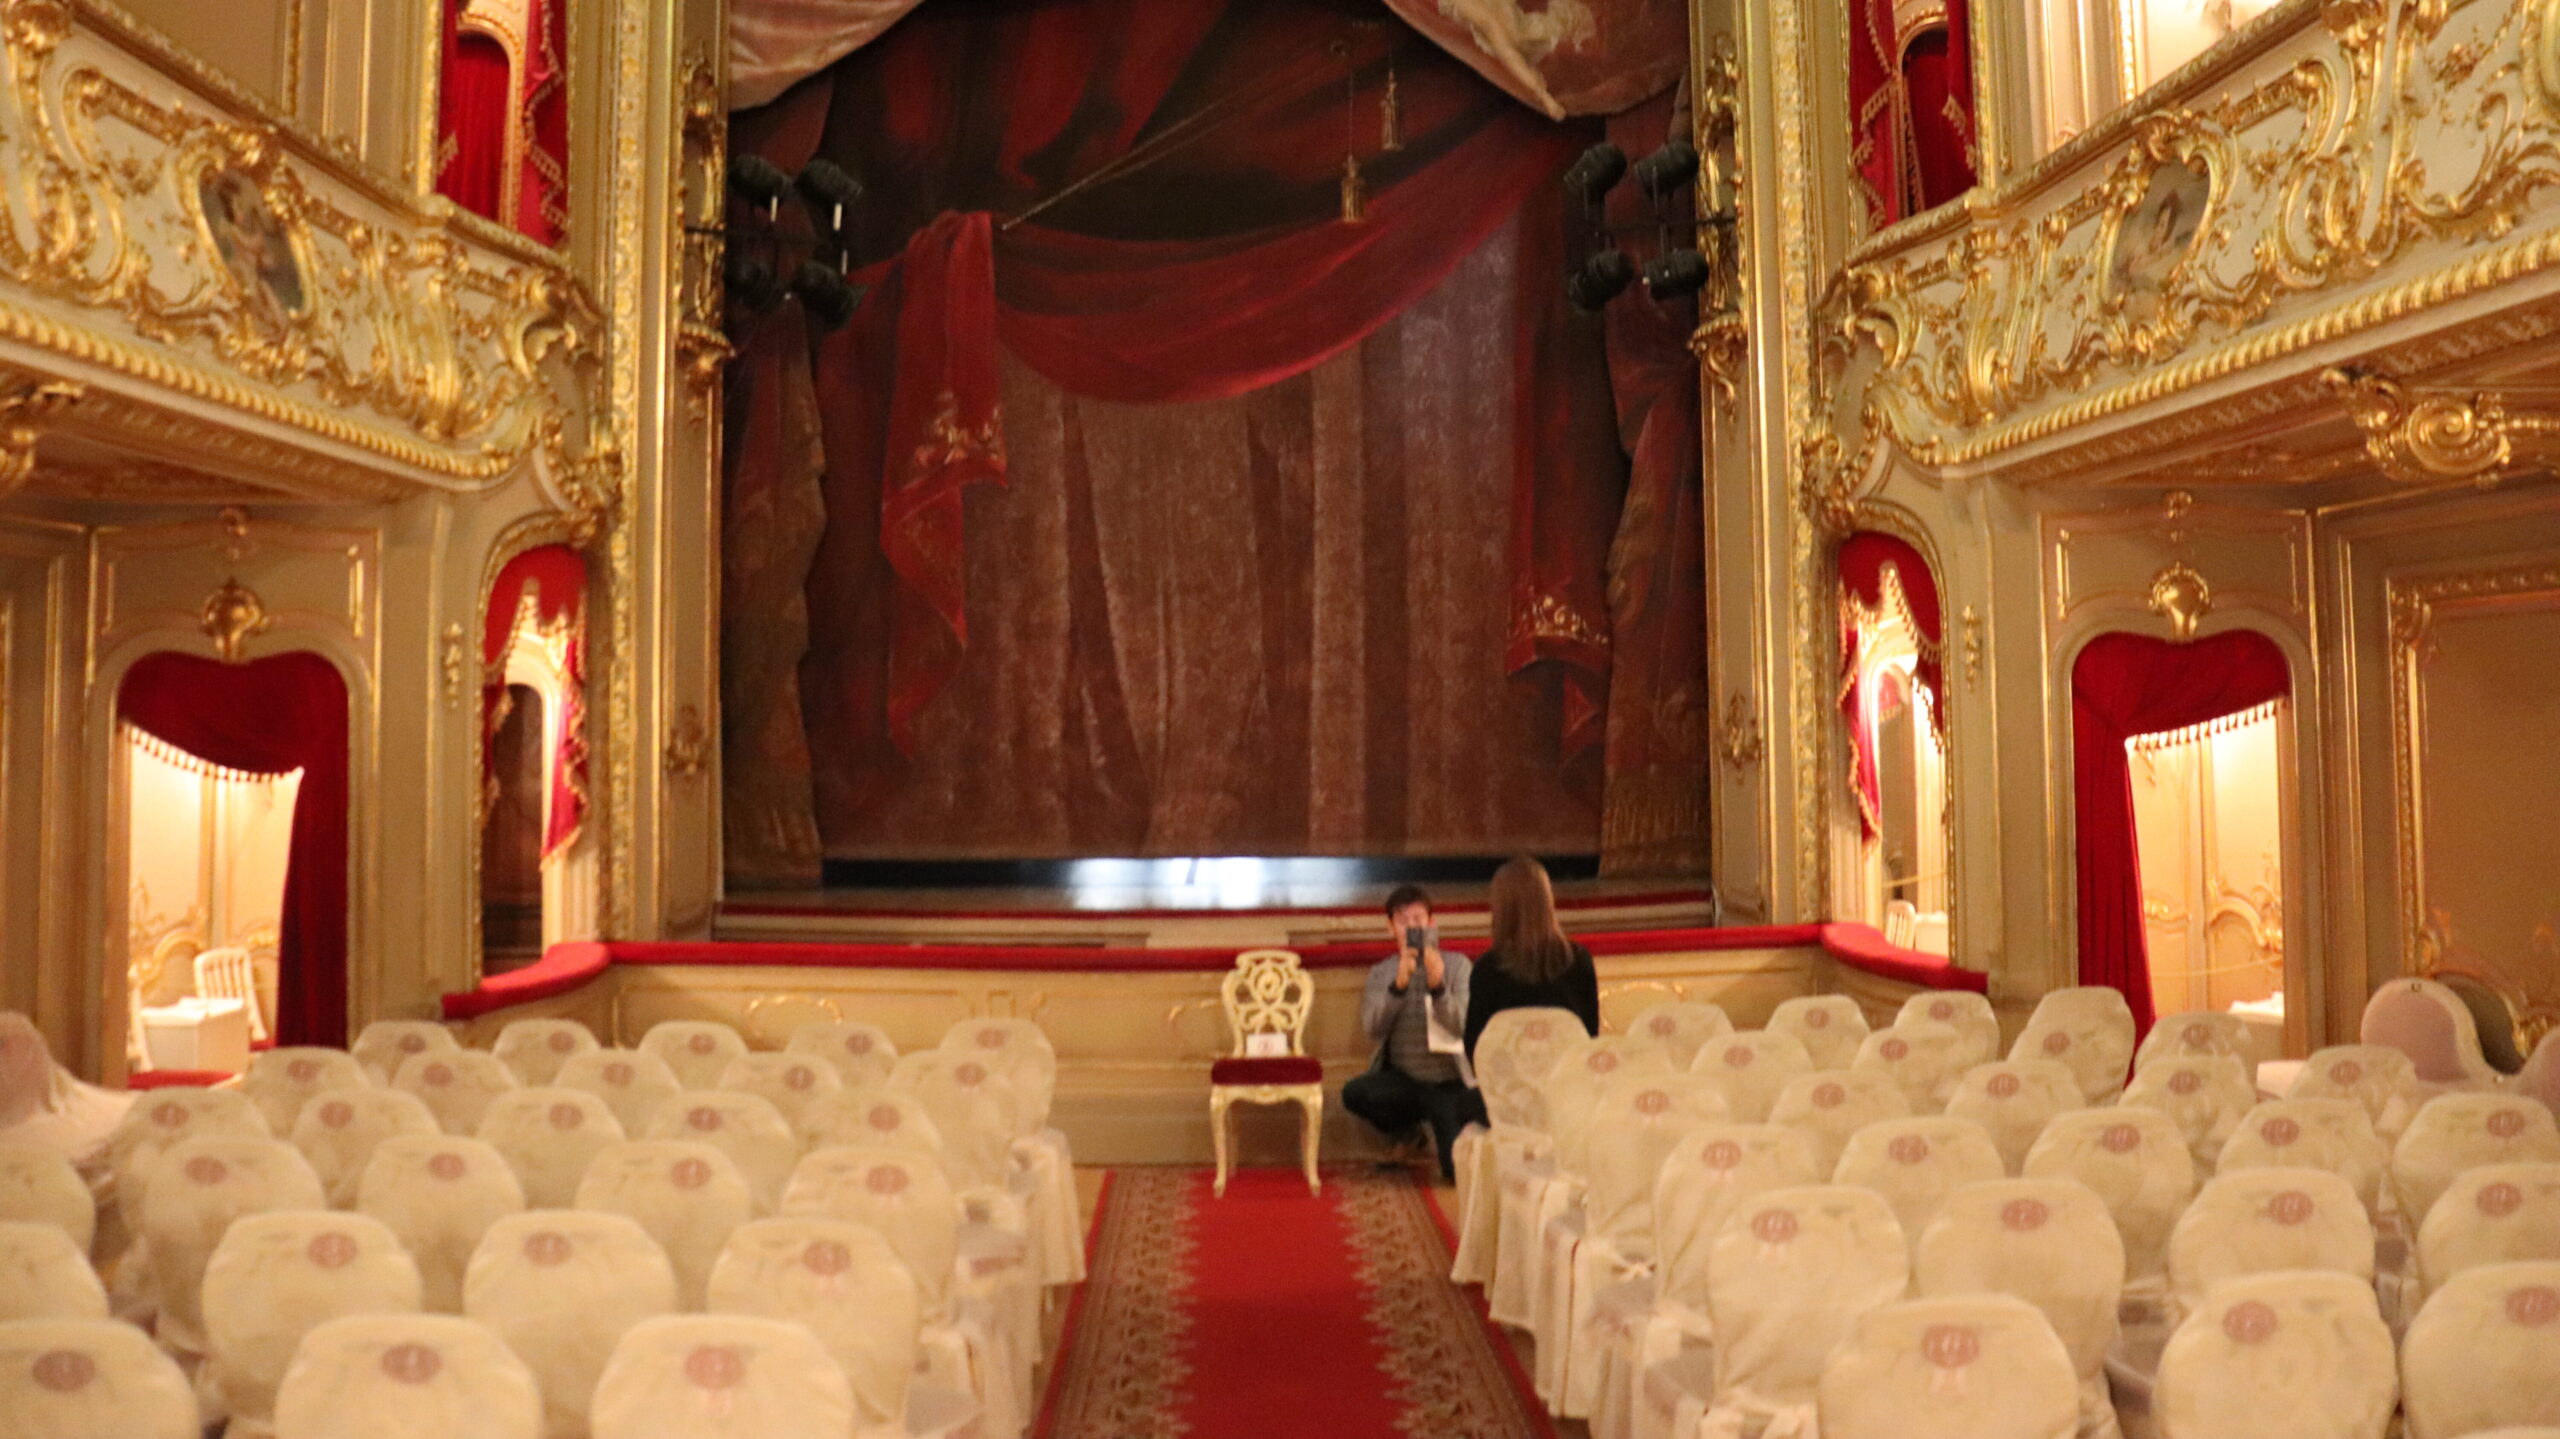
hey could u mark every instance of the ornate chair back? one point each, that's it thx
(1266, 993)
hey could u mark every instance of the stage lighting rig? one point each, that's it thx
(755, 246)
(1675, 271)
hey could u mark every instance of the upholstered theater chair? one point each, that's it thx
(386, 1044)
(1753, 1067)
(406, 1376)
(274, 1279)
(722, 1376)
(788, 1082)
(534, 1049)
(340, 1128)
(1514, 1055)
(861, 1054)
(1030, 1061)
(688, 1196)
(1966, 1013)
(2293, 1353)
(2376, 1076)
(2455, 1133)
(38, 1186)
(846, 1284)
(1983, 1366)
(456, 1087)
(1922, 1057)
(1543, 1224)
(2325, 1134)
(746, 1127)
(2429, 1023)
(1829, 1026)
(281, 1081)
(2492, 1214)
(2257, 1221)
(2013, 1100)
(2205, 1095)
(44, 1275)
(2484, 1352)
(1680, 1026)
(1267, 997)
(2088, 1027)
(2049, 1242)
(2195, 1032)
(161, 1121)
(869, 1115)
(440, 1194)
(2136, 1162)
(548, 1137)
(1829, 1105)
(1916, 1163)
(199, 1188)
(561, 1287)
(697, 1051)
(91, 1379)
(632, 1083)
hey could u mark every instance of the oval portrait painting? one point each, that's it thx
(2156, 235)
(251, 243)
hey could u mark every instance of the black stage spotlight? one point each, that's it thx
(1675, 273)
(1590, 176)
(751, 283)
(1667, 171)
(1599, 280)
(828, 191)
(758, 181)
(827, 296)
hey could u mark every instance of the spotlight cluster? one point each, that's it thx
(1607, 271)
(759, 247)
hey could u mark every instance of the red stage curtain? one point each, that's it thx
(556, 578)
(1864, 558)
(2121, 686)
(272, 716)
(471, 126)
(1231, 271)
(1911, 109)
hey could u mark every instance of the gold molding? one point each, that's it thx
(24, 413)
(1738, 741)
(232, 616)
(2421, 438)
(2182, 597)
(688, 752)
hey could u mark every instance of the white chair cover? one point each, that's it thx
(1829, 1026)
(2195, 1032)
(1514, 1055)
(2330, 1134)
(631, 1083)
(1585, 1070)
(199, 1188)
(1963, 1011)
(43, 1275)
(862, 1054)
(847, 1285)
(275, 1278)
(1680, 1026)
(2456, 1132)
(869, 1116)
(2375, 1076)
(1753, 1067)
(2257, 1221)
(439, 1194)
(1021, 1052)
(688, 1195)
(696, 1051)
(340, 1128)
(2289, 1355)
(1533, 1258)
(1921, 1057)
(788, 1082)
(163, 1119)
(38, 1186)
(2205, 1095)
(386, 1044)
(2493, 1214)
(534, 1049)
(1984, 1366)
(406, 1376)
(2088, 1027)
(548, 1137)
(974, 1108)
(901, 1194)
(2484, 1352)
(2136, 1162)
(2540, 1077)
(2013, 1100)
(561, 1287)
(456, 1087)
(90, 1379)
(2429, 1022)
(2049, 1242)
(1787, 1279)
(1829, 1105)
(745, 1127)
(281, 1081)
(1916, 1163)
(721, 1376)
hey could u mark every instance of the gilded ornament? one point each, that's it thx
(453, 662)
(1738, 741)
(688, 745)
(25, 410)
(2434, 438)
(2181, 596)
(232, 616)
(1972, 648)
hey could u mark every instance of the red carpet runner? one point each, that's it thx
(1272, 1315)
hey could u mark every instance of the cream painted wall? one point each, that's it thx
(250, 42)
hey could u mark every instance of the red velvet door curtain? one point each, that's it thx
(1866, 558)
(2121, 686)
(502, 118)
(1223, 268)
(271, 717)
(546, 585)
(1911, 106)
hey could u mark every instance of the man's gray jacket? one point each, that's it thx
(1378, 1005)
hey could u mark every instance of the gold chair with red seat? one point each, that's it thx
(1267, 996)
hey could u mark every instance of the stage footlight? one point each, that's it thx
(1590, 177)
(751, 283)
(828, 296)
(829, 191)
(758, 181)
(1599, 280)
(1667, 171)
(1675, 273)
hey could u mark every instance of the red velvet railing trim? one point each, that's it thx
(568, 966)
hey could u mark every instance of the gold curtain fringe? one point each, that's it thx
(1655, 822)
(167, 753)
(2204, 730)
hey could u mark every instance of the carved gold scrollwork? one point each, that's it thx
(232, 616)
(452, 661)
(2435, 439)
(24, 411)
(1738, 741)
(2182, 597)
(688, 745)
(1972, 648)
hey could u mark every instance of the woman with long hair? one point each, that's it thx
(1531, 963)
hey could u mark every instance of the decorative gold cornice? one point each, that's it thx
(25, 409)
(2438, 438)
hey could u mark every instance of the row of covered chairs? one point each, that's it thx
(1610, 1188)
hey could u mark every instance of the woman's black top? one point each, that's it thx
(1494, 988)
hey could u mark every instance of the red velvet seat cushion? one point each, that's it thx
(1277, 1069)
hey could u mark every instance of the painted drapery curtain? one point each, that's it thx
(1911, 106)
(2123, 685)
(1209, 319)
(546, 588)
(273, 716)
(1865, 559)
(502, 131)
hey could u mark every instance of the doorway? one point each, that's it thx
(2208, 807)
(511, 842)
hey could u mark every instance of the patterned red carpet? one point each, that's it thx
(1272, 1315)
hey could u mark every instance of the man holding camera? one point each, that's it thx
(1415, 1009)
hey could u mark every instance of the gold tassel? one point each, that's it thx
(1355, 192)
(1390, 116)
